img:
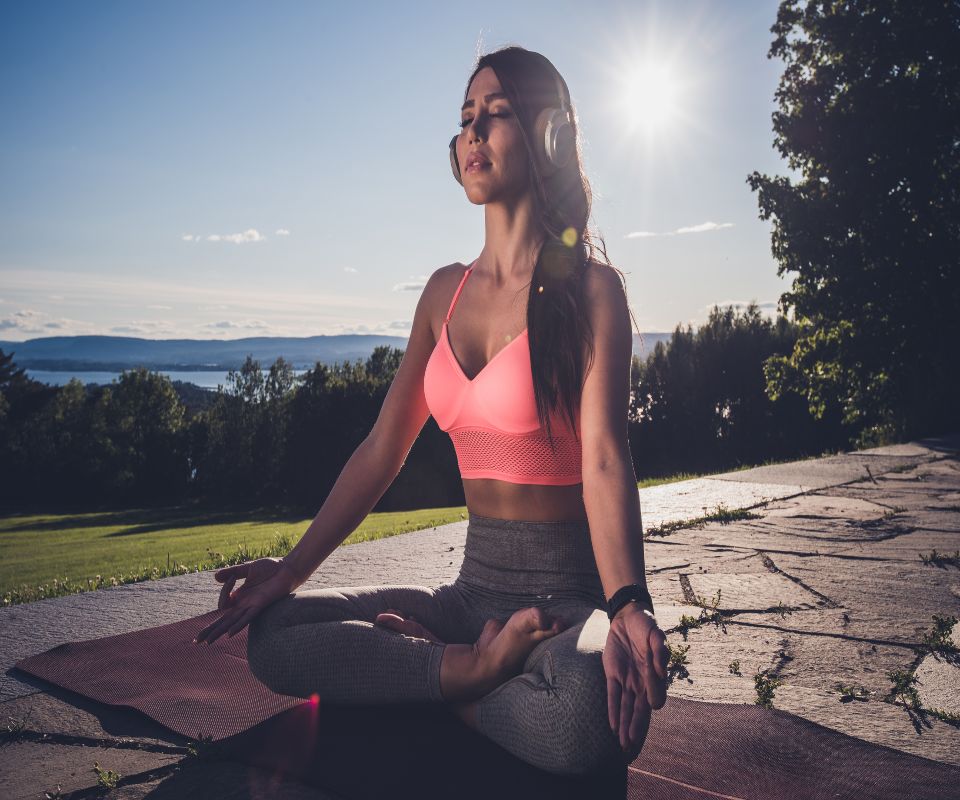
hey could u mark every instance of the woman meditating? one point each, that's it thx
(546, 641)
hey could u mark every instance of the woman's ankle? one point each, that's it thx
(462, 678)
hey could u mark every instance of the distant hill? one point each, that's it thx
(113, 353)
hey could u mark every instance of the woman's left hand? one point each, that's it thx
(635, 660)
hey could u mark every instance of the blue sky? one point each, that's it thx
(311, 138)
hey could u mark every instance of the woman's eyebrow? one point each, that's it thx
(486, 98)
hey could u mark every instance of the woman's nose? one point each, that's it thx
(477, 129)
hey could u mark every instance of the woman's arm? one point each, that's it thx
(609, 483)
(375, 463)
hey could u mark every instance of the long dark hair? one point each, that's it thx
(557, 325)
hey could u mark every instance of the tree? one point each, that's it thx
(147, 436)
(698, 402)
(869, 114)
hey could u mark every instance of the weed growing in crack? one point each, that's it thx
(735, 668)
(711, 612)
(782, 610)
(903, 687)
(13, 732)
(677, 665)
(686, 623)
(849, 693)
(945, 716)
(203, 748)
(106, 777)
(722, 514)
(940, 559)
(765, 685)
(938, 639)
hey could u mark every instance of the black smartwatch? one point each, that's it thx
(632, 591)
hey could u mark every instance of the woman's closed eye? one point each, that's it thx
(464, 122)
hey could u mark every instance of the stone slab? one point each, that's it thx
(938, 677)
(751, 592)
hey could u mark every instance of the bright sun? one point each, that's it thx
(650, 97)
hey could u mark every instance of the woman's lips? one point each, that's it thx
(477, 166)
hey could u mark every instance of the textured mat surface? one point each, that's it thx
(693, 749)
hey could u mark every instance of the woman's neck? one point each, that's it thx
(513, 240)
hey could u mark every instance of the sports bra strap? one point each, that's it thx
(456, 294)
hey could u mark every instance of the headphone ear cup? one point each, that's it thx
(454, 164)
(555, 139)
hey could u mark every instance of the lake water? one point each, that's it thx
(202, 378)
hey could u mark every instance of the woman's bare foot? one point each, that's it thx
(468, 672)
(396, 621)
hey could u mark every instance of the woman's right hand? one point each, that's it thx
(266, 580)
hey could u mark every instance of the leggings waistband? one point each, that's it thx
(530, 558)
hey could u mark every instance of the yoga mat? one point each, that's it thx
(353, 751)
(692, 750)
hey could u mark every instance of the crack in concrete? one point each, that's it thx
(39, 737)
(807, 554)
(826, 634)
(689, 596)
(768, 563)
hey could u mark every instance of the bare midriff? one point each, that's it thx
(524, 501)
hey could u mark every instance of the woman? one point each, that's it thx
(546, 642)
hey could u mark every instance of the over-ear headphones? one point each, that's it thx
(553, 136)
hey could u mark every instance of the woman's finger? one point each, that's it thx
(217, 629)
(241, 623)
(626, 715)
(651, 681)
(641, 713)
(224, 600)
(614, 691)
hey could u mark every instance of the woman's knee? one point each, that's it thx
(584, 739)
(259, 631)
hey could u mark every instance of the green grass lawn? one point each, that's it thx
(36, 550)
(46, 555)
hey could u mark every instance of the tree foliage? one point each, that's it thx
(698, 402)
(869, 115)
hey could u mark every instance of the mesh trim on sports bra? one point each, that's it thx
(483, 453)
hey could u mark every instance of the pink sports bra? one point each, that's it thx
(492, 419)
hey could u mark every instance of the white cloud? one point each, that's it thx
(282, 232)
(146, 327)
(29, 321)
(703, 227)
(397, 327)
(227, 324)
(161, 308)
(249, 235)
(345, 269)
(189, 237)
(413, 285)
(738, 303)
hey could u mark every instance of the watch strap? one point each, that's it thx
(624, 595)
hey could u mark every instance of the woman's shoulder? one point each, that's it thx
(441, 285)
(602, 280)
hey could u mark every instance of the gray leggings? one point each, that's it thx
(553, 715)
